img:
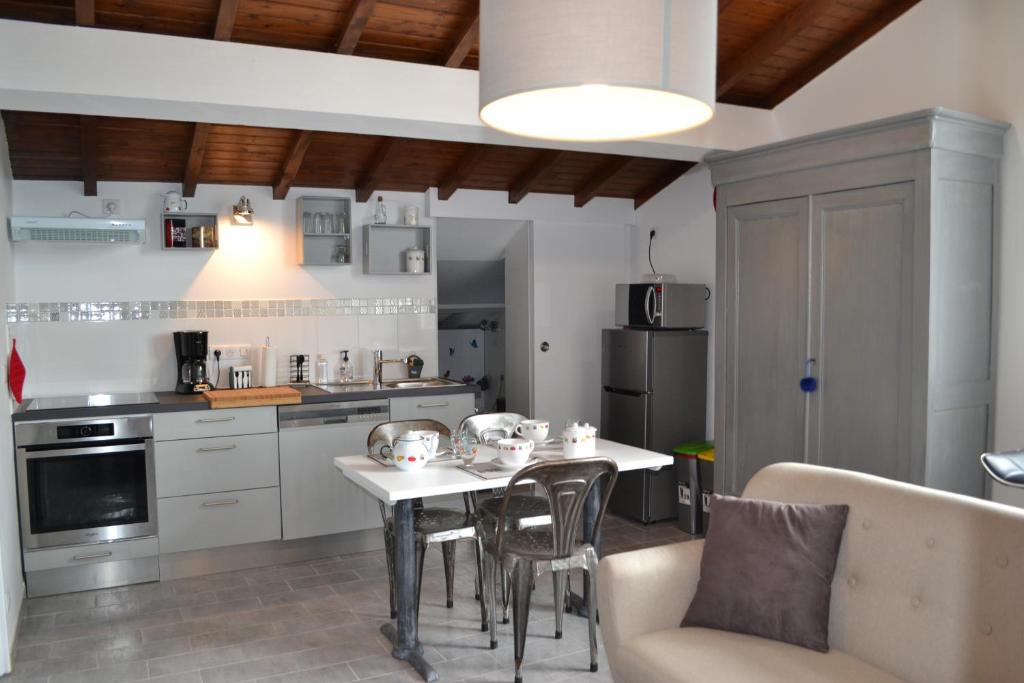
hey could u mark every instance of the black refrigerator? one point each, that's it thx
(655, 397)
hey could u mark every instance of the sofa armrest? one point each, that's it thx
(646, 590)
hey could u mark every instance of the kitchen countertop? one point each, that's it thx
(169, 402)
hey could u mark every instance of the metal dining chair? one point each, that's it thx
(431, 524)
(524, 510)
(528, 552)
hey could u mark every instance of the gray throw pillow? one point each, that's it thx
(767, 570)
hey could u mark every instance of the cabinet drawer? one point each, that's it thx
(448, 409)
(56, 558)
(225, 463)
(219, 519)
(197, 424)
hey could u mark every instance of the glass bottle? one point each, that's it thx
(323, 372)
(380, 214)
(345, 372)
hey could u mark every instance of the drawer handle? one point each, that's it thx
(204, 420)
(220, 503)
(213, 449)
(93, 556)
(432, 405)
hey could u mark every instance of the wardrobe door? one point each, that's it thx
(861, 328)
(765, 286)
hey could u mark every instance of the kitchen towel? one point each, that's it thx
(15, 372)
(268, 365)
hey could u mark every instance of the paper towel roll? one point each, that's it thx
(268, 365)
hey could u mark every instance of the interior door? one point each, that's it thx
(861, 326)
(766, 336)
(519, 322)
(575, 270)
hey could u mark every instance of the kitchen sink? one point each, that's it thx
(421, 383)
(367, 385)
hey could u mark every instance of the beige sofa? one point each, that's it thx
(929, 588)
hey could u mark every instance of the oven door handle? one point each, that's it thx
(98, 449)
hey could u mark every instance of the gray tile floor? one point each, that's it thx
(315, 622)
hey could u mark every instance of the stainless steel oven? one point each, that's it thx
(85, 481)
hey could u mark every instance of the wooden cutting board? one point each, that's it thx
(247, 398)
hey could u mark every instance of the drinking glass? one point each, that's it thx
(466, 447)
(307, 222)
(318, 221)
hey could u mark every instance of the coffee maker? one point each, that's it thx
(190, 350)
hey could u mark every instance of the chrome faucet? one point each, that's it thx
(378, 366)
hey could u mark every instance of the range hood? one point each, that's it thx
(62, 229)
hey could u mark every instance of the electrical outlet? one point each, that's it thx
(111, 207)
(232, 354)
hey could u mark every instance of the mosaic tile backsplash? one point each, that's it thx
(111, 311)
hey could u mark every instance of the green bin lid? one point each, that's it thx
(693, 448)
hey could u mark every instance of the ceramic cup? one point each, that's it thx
(410, 452)
(514, 452)
(431, 440)
(534, 430)
(414, 260)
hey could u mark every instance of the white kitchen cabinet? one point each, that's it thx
(198, 424)
(219, 519)
(223, 463)
(448, 409)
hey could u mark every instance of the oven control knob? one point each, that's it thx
(85, 431)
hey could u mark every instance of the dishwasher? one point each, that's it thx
(316, 498)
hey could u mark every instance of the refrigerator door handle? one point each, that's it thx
(625, 392)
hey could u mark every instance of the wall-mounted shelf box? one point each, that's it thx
(188, 231)
(385, 244)
(324, 229)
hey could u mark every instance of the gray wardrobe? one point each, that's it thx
(865, 254)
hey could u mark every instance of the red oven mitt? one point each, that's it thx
(15, 372)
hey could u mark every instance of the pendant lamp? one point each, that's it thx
(597, 69)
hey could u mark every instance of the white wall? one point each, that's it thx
(962, 55)
(10, 550)
(256, 262)
(684, 217)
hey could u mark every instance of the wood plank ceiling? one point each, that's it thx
(767, 50)
(91, 148)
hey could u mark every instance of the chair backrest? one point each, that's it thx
(487, 426)
(385, 433)
(566, 484)
(928, 584)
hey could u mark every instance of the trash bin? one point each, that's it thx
(694, 468)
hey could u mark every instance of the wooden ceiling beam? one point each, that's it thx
(662, 181)
(882, 18)
(768, 44)
(461, 171)
(467, 39)
(87, 130)
(85, 12)
(527, 180)
(371, 176)
(225, 19)
(723, 5)
(593, 185)
(354, 25)
(194, 165)
(292, 163)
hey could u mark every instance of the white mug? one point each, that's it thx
(174, 202)
(535, 430)
(414, 260)
(514, 452)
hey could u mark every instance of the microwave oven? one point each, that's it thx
(660, 305)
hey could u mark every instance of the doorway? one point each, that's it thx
(472, 313)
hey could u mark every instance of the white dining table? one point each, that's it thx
(398, 488)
